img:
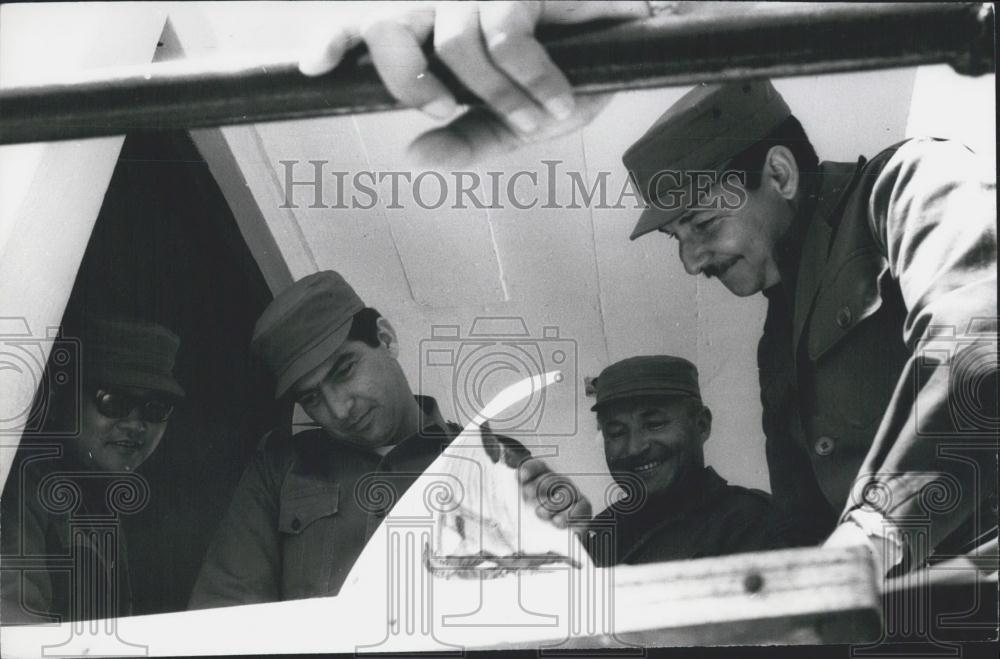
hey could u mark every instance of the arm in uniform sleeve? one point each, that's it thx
(933, 209)
(243, 564)
(25, 594)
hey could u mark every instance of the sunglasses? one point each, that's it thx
(118, 405)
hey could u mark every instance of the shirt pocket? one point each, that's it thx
(307, 522)
(301, 508)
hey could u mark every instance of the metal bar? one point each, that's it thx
(659, 52)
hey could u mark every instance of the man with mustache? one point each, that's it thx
(309, 501)
(67, 472)
(878, 366)
(655, 425)
(864, 264)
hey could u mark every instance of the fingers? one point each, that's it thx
(508, 34)
(579, 512)
(489, 47)
(459, 43)
(479, 135)
(530, 470)
(325, 55)
(490, 443)
(395, 48)
(553, 496)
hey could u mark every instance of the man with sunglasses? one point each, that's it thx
(309, 501)
(90, 438)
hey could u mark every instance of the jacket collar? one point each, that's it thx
(820, 220)
(434, 433)
(694, 492)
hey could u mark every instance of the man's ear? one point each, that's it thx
(387, 336)
(781, 171)
(704, 423)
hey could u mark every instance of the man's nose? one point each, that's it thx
(638, 443)
(338, 402)
(693, 255)
(133, 423)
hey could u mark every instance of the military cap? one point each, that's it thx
(304, 325)
(128, 353)
(707, 127)
(653, 375)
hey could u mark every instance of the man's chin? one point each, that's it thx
(654, 480)
(741, 287)
(372, 438)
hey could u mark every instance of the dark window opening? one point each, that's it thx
(166, 248)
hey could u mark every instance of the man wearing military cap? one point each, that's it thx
(861, 264)
(89, 437)
(655, 425)
(309, 501)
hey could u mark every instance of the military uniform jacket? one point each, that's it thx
(702, 516)
(64, 554)
(878, 358)
(304, 510)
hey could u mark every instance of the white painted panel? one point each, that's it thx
(444, 242)
(51, 206)
(946, 104)
(851, 114)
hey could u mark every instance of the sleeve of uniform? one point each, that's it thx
(27, 594)
(243, 562)
(933, 209)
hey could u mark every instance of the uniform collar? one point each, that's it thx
(837, 179)
(823, 191)
(690, 495)
(434, 433)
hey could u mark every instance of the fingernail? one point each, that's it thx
(560, 107)
(441, 108)
(308, 66)
(318, 59)
(523, 121)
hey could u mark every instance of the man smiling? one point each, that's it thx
(863, 264)
(90, 438)
(655, 425)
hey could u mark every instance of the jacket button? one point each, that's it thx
(824, 446)
(296, 524)
(844, 317)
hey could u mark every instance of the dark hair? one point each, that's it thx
(364, 327)
(789, 134)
